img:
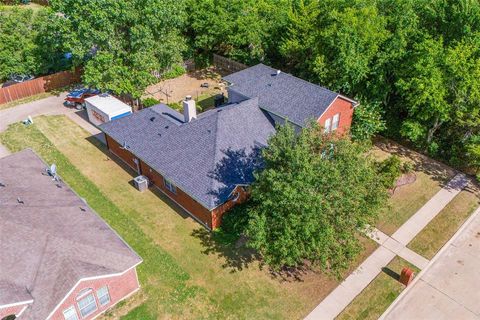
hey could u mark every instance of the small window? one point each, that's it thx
(336, 121)
(70, 313)
(328, 124)
(103, 296)
(87, 305)
(170, 186)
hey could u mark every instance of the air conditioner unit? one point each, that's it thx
(141, 183)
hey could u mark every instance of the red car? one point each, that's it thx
(77, 97)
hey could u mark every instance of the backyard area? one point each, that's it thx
(185, 273)
(203, 85)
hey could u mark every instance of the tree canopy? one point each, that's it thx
(121, 42)
(312, 197)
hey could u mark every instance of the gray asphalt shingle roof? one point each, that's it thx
(51, 240)
(282, 94)
(207, 157)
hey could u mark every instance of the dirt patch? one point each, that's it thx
(175, 90)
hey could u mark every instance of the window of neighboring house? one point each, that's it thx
(103, 296)
(70, 313)
(170, 186)
(336, 121)
(87, 305)
(328, 125)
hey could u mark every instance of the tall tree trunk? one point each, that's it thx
(432, 130)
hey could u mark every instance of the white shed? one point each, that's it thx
(103, 108)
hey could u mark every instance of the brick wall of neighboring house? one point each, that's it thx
(345, 109)
(119, 287)
(11, 310)
(212, 219)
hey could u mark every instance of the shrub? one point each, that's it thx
(175, 105)
(175, 70)
(390, 170)
(407, 167)
(149, 102)
(235, 221)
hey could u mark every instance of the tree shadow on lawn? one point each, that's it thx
(438, 171)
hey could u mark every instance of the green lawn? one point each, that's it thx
(428, 242)
(378, 295)
(185, 275)
(408, 199)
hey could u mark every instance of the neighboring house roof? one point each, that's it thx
(282, 94)
(49, 237)
(207, 157)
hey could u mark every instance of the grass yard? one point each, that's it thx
(185, 274)
(428, 242)
(378, 295)
(431, 177)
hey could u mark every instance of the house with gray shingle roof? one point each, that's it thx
(58, 258)
(205, 162)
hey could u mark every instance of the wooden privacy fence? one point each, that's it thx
(227, 66)
(39, 85)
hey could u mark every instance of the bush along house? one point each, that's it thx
(205, 162)
(59, 260)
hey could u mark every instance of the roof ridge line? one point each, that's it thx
(215, 153)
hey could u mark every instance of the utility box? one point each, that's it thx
(141, 183)
(406, 277)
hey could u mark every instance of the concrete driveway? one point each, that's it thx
(49, 106)
(449, 287)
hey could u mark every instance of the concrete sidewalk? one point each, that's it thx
(449, 287)
(419, 220)
(353, 285)
(398, 248)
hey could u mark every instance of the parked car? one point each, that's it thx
(17, 78)
(76, 98)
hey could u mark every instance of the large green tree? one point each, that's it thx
(121, 42)
(311, 199)
(244, 30)
(16, 43)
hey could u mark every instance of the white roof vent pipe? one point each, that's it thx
(189, 109)
(278, 72)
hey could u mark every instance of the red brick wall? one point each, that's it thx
(218, 212)
(124, 154)
(183, 199)
(11, 310)
(118, 287)
(345, 108)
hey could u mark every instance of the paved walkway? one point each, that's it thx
(353, 285)
(449, 287)
(398, 248)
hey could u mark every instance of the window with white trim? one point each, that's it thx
(103, 296)
(328, 124)
(70, 313)
(87, 305)
(170, 186)
(336, 121)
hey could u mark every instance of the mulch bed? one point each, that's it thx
(405, 179)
